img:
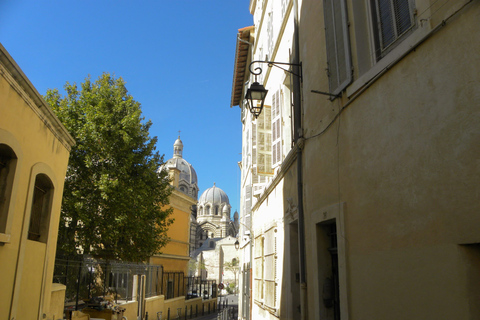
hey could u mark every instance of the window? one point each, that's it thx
(266, 269)
(270, 272)
(8, 162)
(41, 206)
(258, 273)
(270, 33)
(392, 19)
(216, 210)
(207, 210)
(337, 45)
(331, 288)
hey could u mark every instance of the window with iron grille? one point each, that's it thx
(41, 207)
(392, 19)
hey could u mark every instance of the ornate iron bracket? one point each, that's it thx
(257, 71)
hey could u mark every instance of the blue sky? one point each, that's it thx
(176, 57)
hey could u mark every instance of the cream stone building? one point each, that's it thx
(360, 177)
(175, 255)
(213, 258)
(215, 237)
(34, 152)
(213, 216)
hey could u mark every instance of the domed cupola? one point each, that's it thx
(213, 215)
(183, 176)
(214, 202)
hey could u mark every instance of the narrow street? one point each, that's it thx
(228, 301)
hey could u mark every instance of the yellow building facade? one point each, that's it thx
(34, 152)
(175, 255)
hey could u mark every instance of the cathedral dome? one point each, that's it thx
(187, 173)
(213, 215)
(214, 196)
(187, 179)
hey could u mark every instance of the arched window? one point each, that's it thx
(41, 207)
(8, 164)
(216, 210)
(208, 210)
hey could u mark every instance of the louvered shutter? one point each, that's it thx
(276, 128)
(264, 142)
(338, 45)
(270, 265)
(394, 18)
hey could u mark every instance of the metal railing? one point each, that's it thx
(87, 279)
(196, 287)
(91, 280)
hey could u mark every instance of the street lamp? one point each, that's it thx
(257, 91)
(237, 244)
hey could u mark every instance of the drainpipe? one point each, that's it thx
(299, 141)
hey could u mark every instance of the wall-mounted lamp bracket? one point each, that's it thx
(257, 91)
(257, 71)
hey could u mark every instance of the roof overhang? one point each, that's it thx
(240, 67)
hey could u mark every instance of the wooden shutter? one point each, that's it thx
(276, 128)
(338, 45)
(264, 142)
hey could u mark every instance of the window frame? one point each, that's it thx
(381, 49)
(266, 249)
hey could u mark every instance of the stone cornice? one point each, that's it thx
(20, 83)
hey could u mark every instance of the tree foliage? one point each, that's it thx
(114, 198)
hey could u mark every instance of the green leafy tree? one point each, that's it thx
(114, 198)
(232, 267)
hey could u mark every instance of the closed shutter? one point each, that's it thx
(264, 142)
(338, 45)
(270, 250)
(258, 268)
(276, 128)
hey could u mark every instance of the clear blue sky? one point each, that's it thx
(176, 57)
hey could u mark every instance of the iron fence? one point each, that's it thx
(196, 287)
(87, 279)
(90, 280)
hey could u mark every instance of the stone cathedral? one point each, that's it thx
(210, 217)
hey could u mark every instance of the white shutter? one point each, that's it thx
(276, 128)
(270, 265)
(338, 45)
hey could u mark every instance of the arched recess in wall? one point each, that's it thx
(11, 165)
(41, 203)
